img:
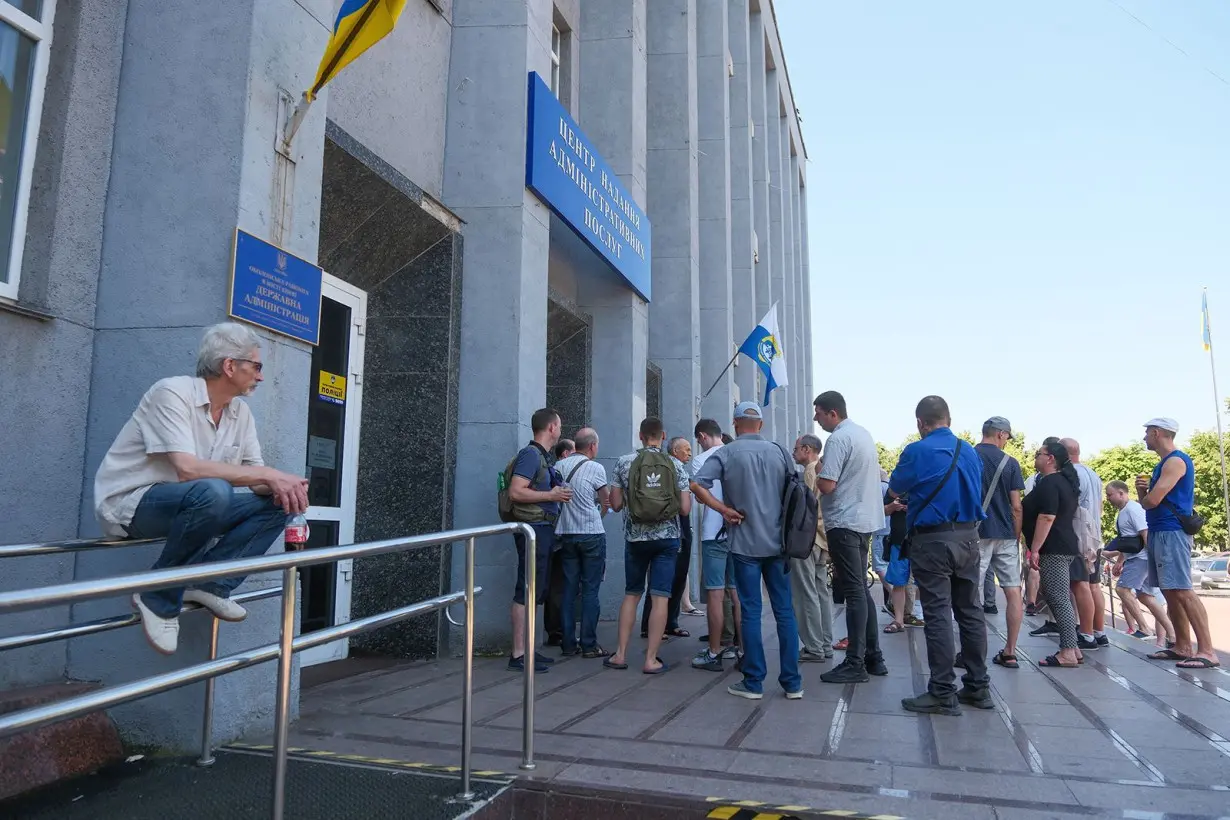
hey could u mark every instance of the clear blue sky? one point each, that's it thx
(1015, 205)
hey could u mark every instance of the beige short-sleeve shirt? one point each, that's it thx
(172, 417)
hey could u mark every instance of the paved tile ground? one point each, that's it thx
(1122, 736)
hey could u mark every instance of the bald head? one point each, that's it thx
(587, 442)
(1074, 449)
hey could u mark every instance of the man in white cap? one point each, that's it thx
(753, 471)
(1169, 498)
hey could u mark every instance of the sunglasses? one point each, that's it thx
(257, 366)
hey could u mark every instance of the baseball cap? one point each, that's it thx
(748, 410)
(1163, 423)
(999, 423)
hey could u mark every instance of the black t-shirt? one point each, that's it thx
(1053, 495)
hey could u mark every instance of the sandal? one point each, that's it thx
(1005, 660)
(893, 628)
(1166, 655)
(1197, 663)
(677, 633)
(1053, 660)
(596, 652)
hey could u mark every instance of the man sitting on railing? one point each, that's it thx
(172, 472)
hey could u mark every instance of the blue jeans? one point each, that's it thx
(584, 561)
(748, 574)
(189, 516)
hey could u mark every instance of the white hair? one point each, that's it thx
(228, 340)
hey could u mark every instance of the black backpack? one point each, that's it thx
(800, 512)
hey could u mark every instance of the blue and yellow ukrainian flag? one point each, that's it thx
(360, 25)
(763, 347)
(1204, 316)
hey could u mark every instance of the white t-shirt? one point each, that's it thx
(581, 515)
(172, 417)
(710, 520)
(1131, 521)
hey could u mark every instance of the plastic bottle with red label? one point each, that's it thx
(297, 532)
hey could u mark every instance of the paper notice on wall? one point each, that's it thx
(322, 453)
(332, 388)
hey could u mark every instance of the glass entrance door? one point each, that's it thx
(335, 399)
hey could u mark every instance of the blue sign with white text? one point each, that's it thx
(567, 174)
(275, 289)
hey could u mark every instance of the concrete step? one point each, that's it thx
(57, 752)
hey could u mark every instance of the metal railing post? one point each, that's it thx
(467, 696)
(529, 660)
(207, 719)
(281, 718)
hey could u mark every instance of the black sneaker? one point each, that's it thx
(991, 609)
(929, 704)
(1084, 643)
(707, 662)
(1102, 640)
(845, 672)
(569, 651)
(876, 667)
(978, 698)
(554, 640)
(1048, 628)
(518, 665)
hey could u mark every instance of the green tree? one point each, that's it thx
(1210, 500)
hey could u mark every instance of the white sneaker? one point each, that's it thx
(794, 695)
(223, 609)
(162, 633)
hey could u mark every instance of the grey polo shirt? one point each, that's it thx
(753, 473)
(850, 459)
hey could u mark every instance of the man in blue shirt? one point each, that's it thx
(942, 476)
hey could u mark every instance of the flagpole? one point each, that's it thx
(713, 386)
(1217, 410)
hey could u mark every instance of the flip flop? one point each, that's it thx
(1197, 663)
(665, 666)
(677, 633)
(609, 665)
(1166, 655)
(1053, 661)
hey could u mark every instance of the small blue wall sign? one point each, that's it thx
(275, 289)
(564, 170)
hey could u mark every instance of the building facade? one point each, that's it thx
(462, 288)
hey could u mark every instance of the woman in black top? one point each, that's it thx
(1049, 514)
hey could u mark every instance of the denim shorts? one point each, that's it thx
(653, 558)
(717, 566)
(1170, 559)
(1135, 574)
(544, 535)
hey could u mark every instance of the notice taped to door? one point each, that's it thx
(332, 388)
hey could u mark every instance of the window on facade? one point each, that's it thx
(25, 38)
(557, 50)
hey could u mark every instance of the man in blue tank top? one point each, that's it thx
(1167, 495)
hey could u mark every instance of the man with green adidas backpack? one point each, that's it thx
(652, 486)
(531, 491)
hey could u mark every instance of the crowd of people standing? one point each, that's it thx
(950, 523)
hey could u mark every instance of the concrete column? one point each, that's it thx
(810, 375)
(789, 324)
(760, 192)
(612, 113)
(798, 375)
(777, 235)
(504, 278)
(742, 221)
(716, 285)
(674, 315)
(168, 233)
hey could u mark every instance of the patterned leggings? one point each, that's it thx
(1055, 575)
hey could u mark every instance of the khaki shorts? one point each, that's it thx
(1004, 556)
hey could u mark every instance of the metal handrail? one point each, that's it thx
(101, 625)
(74, 545)
(21, 600)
